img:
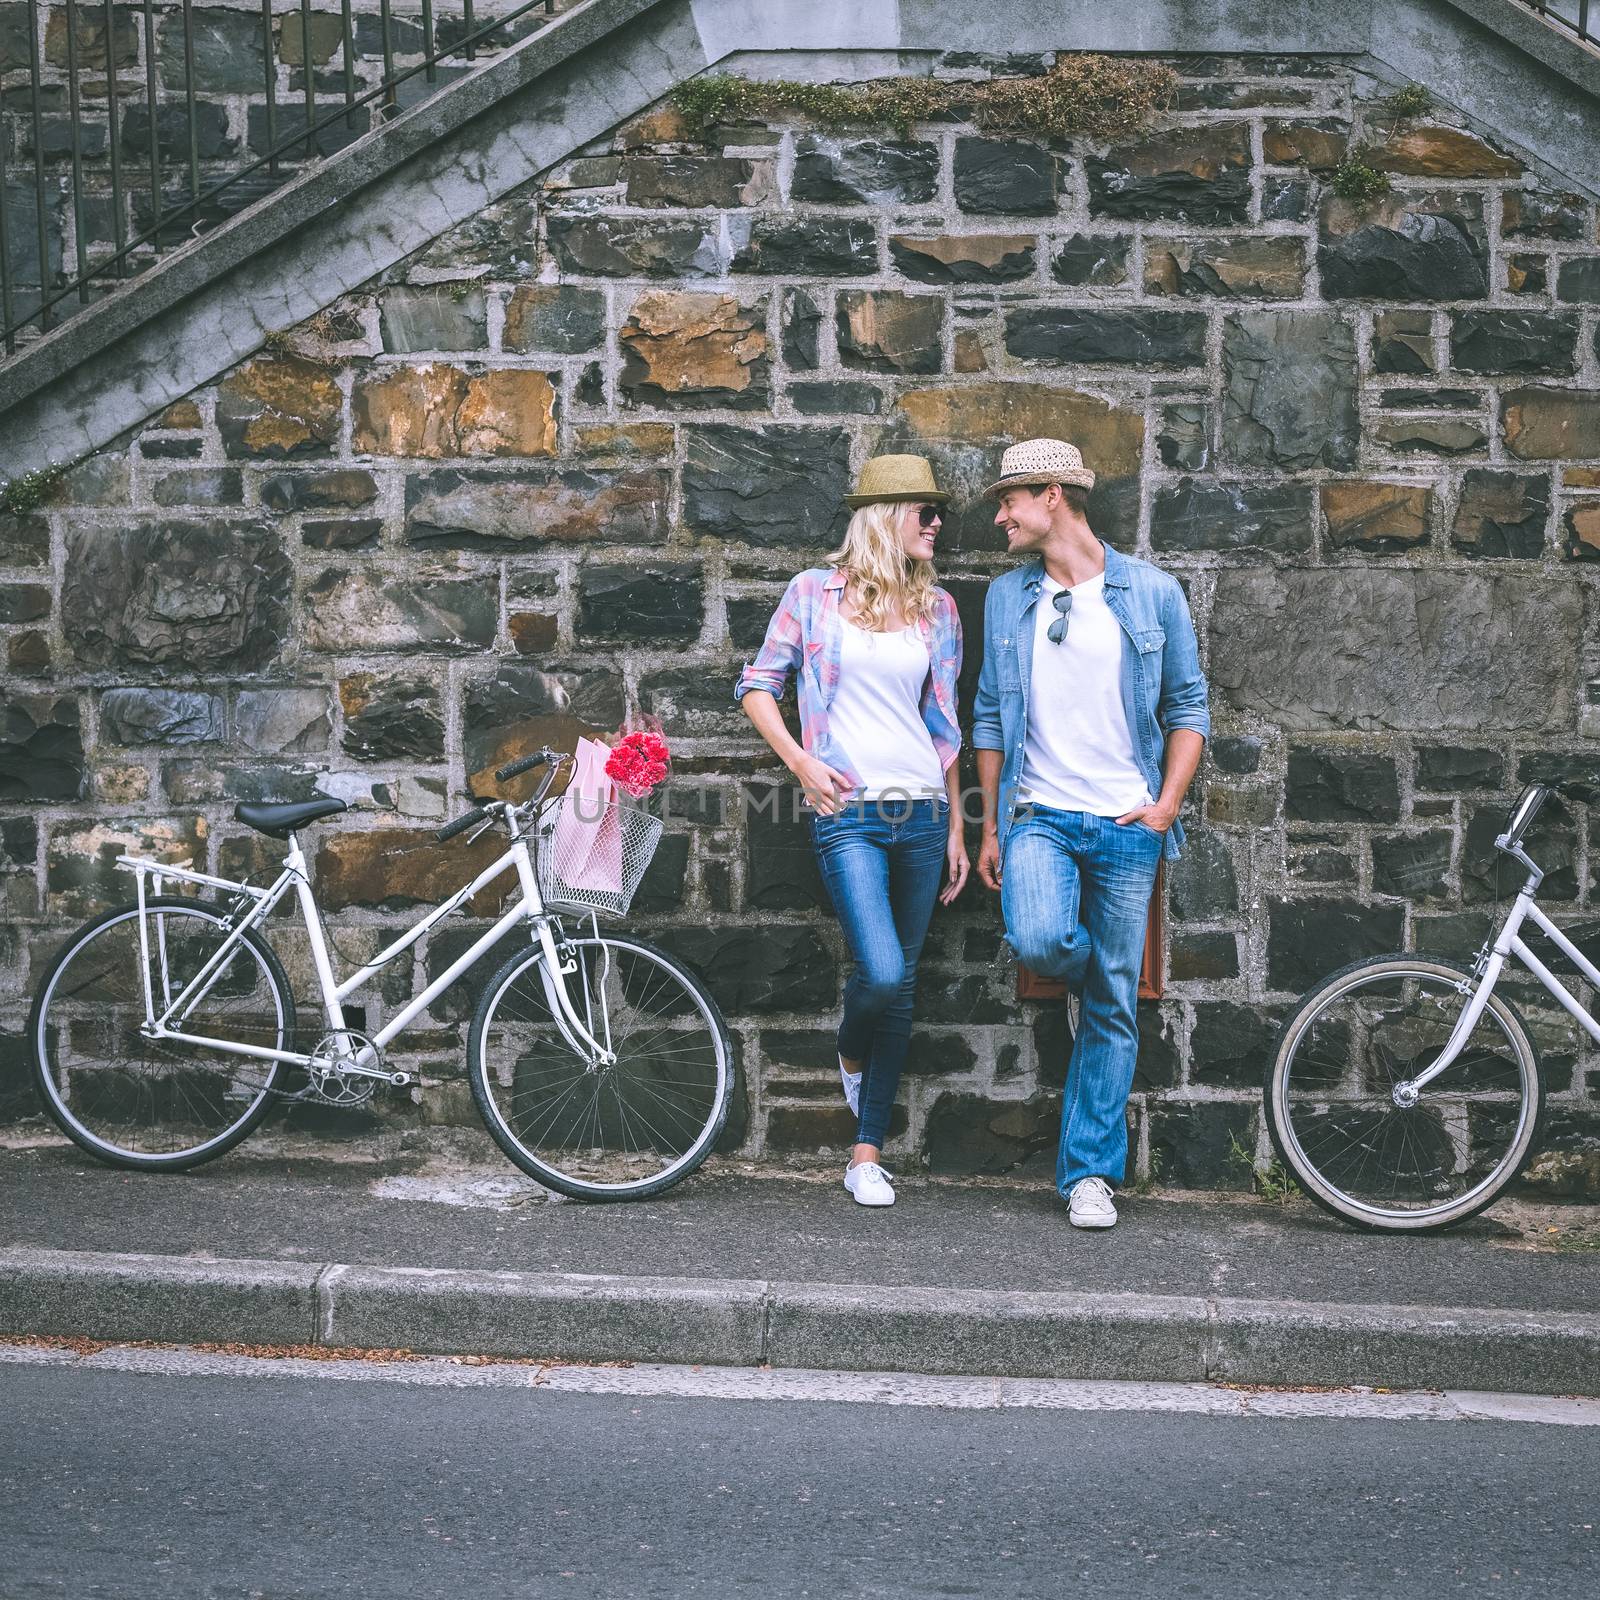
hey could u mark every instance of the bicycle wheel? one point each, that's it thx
(618, 1131)
(157, 1104)
(1363, 1154)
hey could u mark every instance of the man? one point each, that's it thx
(1090, 721)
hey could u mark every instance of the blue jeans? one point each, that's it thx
(882, 862)
(1075, 890)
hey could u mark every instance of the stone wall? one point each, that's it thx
(558, 468)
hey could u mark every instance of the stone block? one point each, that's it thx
(391, 869)
(1309, 939)
(1070, 335)
(523, 707)
(1319, 145)
(81, 872)
(882, 330)
(1578, 280)
(428, 608)
(1202, 956)
(694, 180)
(963, 257)
(1234, 752)
(288, 721)
(1013, 177)
(780, 486)
(1413, 865)
(1375, 516)
(1448, 768)
(434, 316)
(1501, 514)
(24, 539)
(1402, 341)
(693, 700)
(1527, 274)
(338, 488)
(1405, 247)
(1483, 876)
(634, 247)
(1442, 436)
(771, 967)
(1580, 527)
(1544, 424)
(651, 603)
(24, 602)
(1337, 784)
(1183, 174)
(801, 320)
(661, 890)
(1231, 1046)
(1097, 260)
(41, 748)
(557, 317)
(820, 1128)
(185, 596)
(488, 511)
(1272, 268)
(1286, 199)
(1426, 151)
(198, 486)
(1193, 1143)
(1289, 396)
(1527, 213)
(1513, 341)
(836, 399)
(683, 349)
(278, 406)
(170, 130)
(1202, 885)
(805, 247)
(160, 716)
(967, 1133)
(865, 172)
(340, 533)
(88, 40)
(1201, 514)
(438, 410)
(389, 717)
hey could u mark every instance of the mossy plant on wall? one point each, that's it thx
(1093, 95)
(1356, 179)
(30, 491)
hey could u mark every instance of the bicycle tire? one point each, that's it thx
(542, 1171)
(39, 1044)
(1325, 1194)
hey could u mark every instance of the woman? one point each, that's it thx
(877, 649)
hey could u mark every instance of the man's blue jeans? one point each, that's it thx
(1075, 890)
(881, 861)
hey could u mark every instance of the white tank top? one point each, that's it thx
(875, 716)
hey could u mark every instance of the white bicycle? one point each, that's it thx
(1405, 1093)
(164, 1032)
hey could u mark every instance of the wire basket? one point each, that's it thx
(592, 857)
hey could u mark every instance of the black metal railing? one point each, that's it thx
(1572, 16)
(171, 124)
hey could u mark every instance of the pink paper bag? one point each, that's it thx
(587, 837)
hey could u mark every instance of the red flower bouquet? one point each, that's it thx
(638, 762)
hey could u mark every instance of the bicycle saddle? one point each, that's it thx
(281, 820)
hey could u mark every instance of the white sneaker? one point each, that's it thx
(852, 1088)
(1091, 1204)
(869, 1184)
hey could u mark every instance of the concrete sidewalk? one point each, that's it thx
(737, 1267)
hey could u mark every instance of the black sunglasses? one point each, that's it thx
(927, 516)
(1057, 631)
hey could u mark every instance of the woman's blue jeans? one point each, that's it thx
(1075, 890)
(882, 861)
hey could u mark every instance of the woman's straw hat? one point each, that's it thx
(895, 478)
(1041, 461)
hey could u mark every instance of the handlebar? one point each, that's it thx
(470, 820)
(513, 769)
(1528, 805)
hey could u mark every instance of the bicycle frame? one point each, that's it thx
(166, 1022)
(1508, 943)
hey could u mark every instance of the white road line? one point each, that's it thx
(849, 1388)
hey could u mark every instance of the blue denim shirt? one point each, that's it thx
(1162, 685)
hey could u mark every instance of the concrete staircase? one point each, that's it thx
(211, 304)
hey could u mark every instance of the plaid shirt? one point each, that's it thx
(805, 637)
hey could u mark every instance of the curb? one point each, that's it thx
(850, 1327)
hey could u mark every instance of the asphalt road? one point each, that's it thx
(125, 1485)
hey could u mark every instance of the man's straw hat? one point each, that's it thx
(895, 478)
(1041, 461)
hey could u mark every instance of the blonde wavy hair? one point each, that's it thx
(883, 578)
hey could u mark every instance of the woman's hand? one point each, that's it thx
(822, 784)
(955, 859)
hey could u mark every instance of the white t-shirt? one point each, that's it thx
(876, 712)
(1079, 753)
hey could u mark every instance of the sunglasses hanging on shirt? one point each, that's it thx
(1057, 631)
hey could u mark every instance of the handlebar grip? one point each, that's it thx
(512, 768)
(461, 824)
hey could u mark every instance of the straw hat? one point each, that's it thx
(1039, 461)
(895, 478)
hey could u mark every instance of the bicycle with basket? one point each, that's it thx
(164, 1032)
